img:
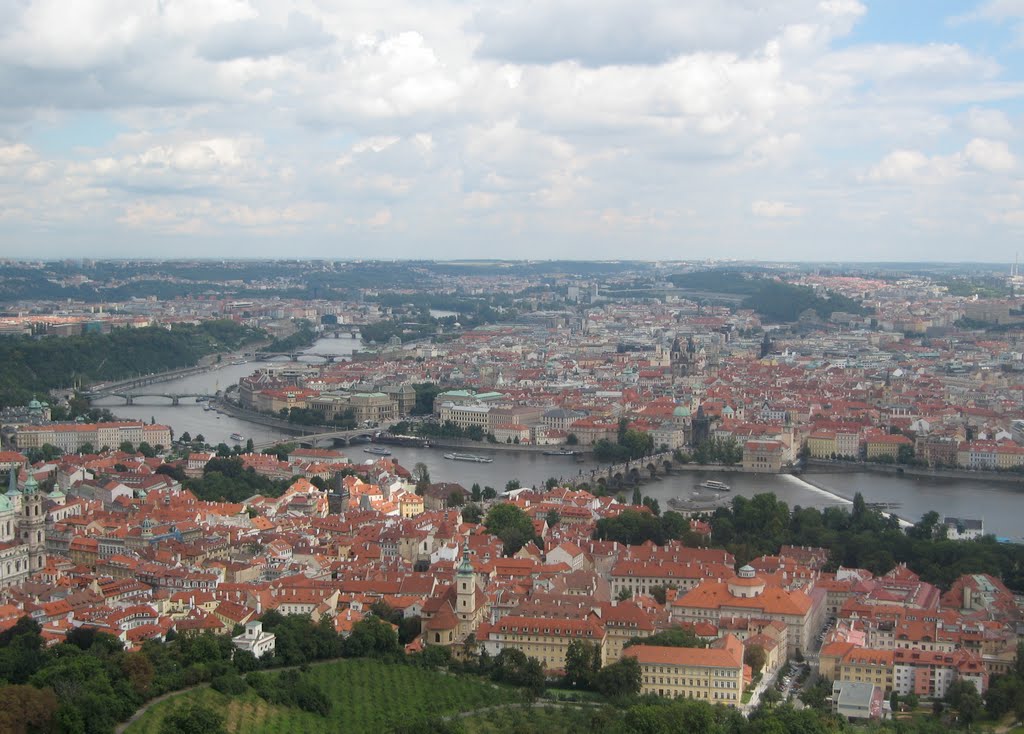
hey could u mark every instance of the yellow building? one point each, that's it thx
(70, 437)
(822, 444)
(865, 665)
(622, 622)
(886, 445)
(713, 674)
(547, 640)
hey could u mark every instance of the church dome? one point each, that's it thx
(746, 584)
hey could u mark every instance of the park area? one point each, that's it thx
(365, 696)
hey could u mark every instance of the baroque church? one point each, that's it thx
(22, 530)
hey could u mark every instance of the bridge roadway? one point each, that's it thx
(120, 386)
(623, 470)
(294, 356)
(312, 438)
(175, 398)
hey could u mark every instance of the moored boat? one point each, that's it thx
(469, 457)
(715, 485)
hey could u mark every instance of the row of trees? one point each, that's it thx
(861, 537)
(633, 527)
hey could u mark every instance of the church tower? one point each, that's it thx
(465, 579)
(147, 531)
(33, 524)
(13, 494)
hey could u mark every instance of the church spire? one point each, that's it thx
(466, 567)
(12, 484)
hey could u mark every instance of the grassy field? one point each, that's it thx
(544, 720)
(366, 696)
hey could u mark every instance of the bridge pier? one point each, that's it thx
(175, 400)
(128, 400)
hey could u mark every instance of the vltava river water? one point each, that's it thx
(1000, 505)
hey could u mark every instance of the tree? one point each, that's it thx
(193, 719)
(582, 662)
(475, 493)
(659, 592)
(552, 517)
(456, 498)
(571, 440)
(511, 524)
(26, 709)
(200, 438)
(127, 447)
(146, 450)
(409, 629)
(249, 446)
(186, 437)
(673, 637)
(421, 475)
(512, 484)
(624, 594)
(637, 498)
(770, 697)
(472, 514)
(652, 505)
(489, 493)
(371, 637)
(86, 448)
(963, 696)
(755, 657)
(905, 454)
(619, 679)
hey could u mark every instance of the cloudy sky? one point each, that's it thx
(655, 129)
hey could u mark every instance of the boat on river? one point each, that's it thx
(715, 485)
(237, 437)
(377, 451)
(469, 457)
(560, 452)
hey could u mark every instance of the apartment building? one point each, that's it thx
(466, 416)
(866, 665)
(713, 674)
(545, 639)
(70, 437)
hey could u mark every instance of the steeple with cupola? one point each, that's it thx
(33, 524)
(466, 585)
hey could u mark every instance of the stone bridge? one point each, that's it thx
(175, 398)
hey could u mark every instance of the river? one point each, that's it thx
(999, 505)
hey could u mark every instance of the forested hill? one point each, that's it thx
(773, 299)
(33, 366)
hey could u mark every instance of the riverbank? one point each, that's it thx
(823, 466)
